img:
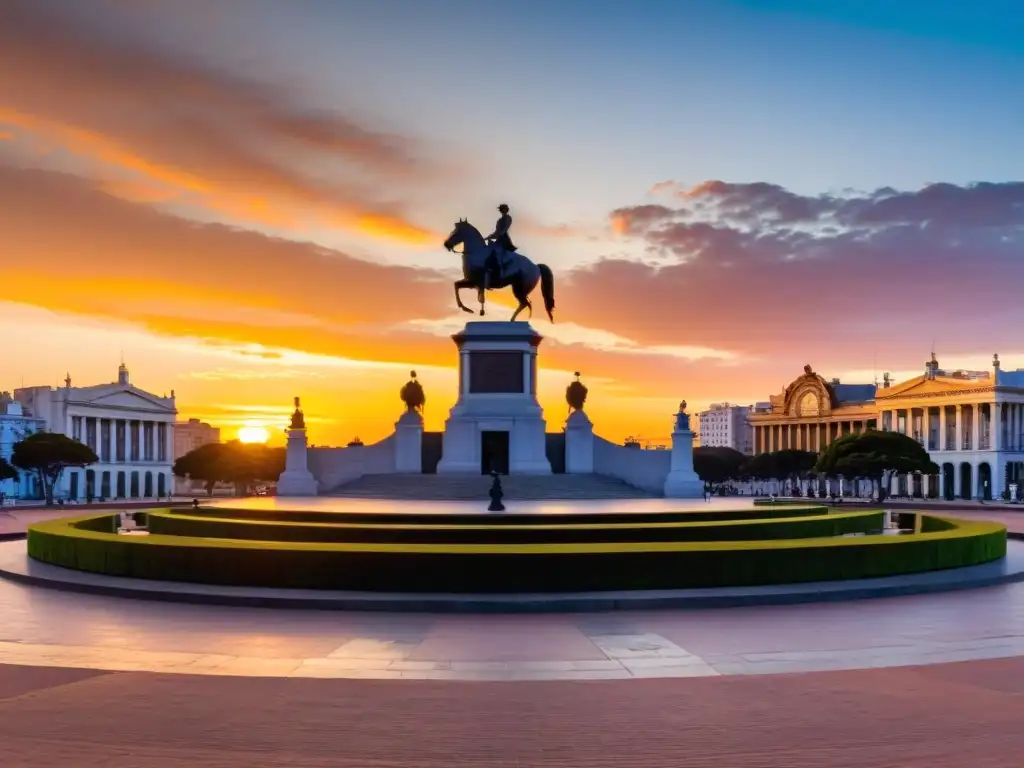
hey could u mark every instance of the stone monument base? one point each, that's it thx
(683, 485)
(297, 483)
(496, 424)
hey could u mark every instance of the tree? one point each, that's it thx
(204, 464)
(7, 472)
(48, 454)
(233, 462)
(877, 456)
(794, 465)
(718, 465)
(788, 464)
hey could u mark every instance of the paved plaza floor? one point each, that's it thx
(49, 627)
(938, 716)
(930, 680)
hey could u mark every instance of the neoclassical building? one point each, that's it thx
(131, 431)
(812, 412)
(970, 422)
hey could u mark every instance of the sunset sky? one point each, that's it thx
(247, 198)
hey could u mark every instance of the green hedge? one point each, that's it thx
(398, 517)
(176, 524)
(511, 568)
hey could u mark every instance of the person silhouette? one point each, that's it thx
(503, 246)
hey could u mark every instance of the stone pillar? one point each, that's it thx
(975, 427)
(296, 480)
(409, 443)
(579, 444)
(958, 438)
(1009, 443)
(925, 486)
(682, 482)
(996, 439)
(942, 428)
(942, 482)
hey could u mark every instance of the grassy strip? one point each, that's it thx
(513, 568)
(176, 524)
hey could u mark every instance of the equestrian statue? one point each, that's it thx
(494, 262)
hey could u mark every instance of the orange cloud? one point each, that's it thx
(170, 132)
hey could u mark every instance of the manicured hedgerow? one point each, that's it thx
(549, 567)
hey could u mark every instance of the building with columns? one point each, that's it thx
(812, 412)
(132, 432)
(970, 422)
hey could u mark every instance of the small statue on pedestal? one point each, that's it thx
(576, 394)
(298, 420)
(496, 493)
(412, 394)
(682, 419)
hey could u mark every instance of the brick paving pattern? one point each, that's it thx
(945, 716)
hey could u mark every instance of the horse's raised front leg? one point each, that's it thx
(459, 285)
(480, 297)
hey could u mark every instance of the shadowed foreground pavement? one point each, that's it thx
(936, 716)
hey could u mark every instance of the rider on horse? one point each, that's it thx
(501, 247)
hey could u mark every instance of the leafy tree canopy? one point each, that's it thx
(716, 466)
(7, 472)
(234, 462)
(877, 456)
(48, 454)
(786, 464)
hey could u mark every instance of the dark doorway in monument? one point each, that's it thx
(985, 480)
(554, 447)
(933, 486)
(90, 484)
(430, 452)
(122, 493)
(948, 481)
(966, 491)
(494, 452)
(73, 491)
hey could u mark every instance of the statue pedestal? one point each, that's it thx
(409, 443)
(497, 423)
(579, 444)
(682, 482)
(296, 480)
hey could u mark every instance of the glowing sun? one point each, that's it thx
(253, 434)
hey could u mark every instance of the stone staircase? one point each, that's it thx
(475, 487)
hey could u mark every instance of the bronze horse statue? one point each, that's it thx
(515, 271)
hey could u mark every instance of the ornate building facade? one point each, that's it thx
(970, 422)
(812, 412)
(131, 431)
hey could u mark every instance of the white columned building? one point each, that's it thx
(130, 430)
(970, 422)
